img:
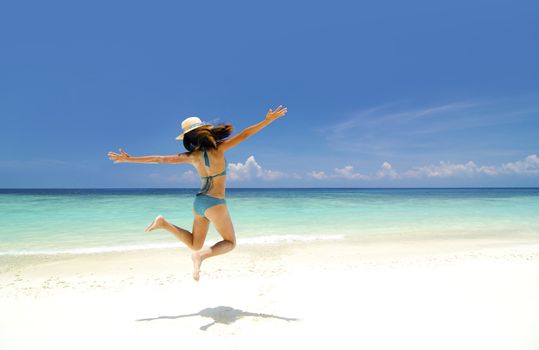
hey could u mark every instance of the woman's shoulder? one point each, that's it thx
(194, 157)
(220, 148)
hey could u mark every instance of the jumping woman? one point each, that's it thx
(206, 146)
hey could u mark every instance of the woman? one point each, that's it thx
(206, 146)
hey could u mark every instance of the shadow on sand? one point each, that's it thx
(221, 314)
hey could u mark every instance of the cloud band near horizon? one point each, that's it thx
(252, 170)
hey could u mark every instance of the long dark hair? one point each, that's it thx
(206, 137)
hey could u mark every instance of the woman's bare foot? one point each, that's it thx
(157, 223)
(197, 258)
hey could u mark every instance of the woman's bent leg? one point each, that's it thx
(193, 241)
(220, 218)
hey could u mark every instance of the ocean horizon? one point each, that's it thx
(260, 188)
(37, 221)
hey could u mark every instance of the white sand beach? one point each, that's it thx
(402, 294)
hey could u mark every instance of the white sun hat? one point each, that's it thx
(189, 124)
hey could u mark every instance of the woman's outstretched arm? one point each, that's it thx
(123, 157)
(253, 129)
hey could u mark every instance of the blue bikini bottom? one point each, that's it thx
(203, 202)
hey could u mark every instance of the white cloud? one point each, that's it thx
(348, 173)
(251, 170)
(320, 175)
(443, 169)
(528, 166)
(387, 171)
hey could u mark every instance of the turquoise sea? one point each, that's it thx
(78, 221)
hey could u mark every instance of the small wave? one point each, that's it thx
(90, 250)
(288, 239)
(125, 248)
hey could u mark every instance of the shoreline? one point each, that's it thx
(277, 240)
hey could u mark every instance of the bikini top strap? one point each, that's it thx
(206, 159)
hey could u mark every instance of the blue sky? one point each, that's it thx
(379, 93)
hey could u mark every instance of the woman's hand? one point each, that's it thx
(119, 158)
(279, 112)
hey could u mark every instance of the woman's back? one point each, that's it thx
(211, 166)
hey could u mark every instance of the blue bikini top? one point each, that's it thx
(209, 179)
